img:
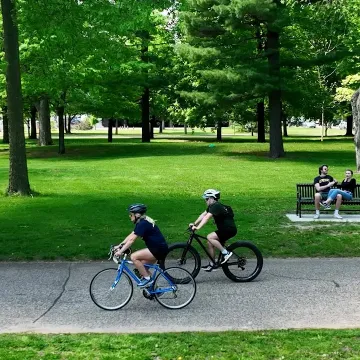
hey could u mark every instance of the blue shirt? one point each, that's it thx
(151, 234)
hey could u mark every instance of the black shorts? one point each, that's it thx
(225, 234)
(159, 254)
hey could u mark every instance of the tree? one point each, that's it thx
(18, 174)
(355, 103)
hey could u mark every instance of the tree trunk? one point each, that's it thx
(355, 104)
(260, 117)
(33, 112)
(145, 99)
(185, 128)
(284, 123)
(218, 131)
(44, 122)
(110, 127)
(161, 126)
(349, 125)
(60, 114)
(5, 125)
(145, 115)
(117, 127)
(69, 120)
(65, 124)
(18, 172)
(152, 126)
(276, 141)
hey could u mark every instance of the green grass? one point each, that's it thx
(84, 194)
(264, 345)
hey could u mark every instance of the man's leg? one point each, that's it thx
(317, 200)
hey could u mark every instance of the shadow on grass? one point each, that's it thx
(99, 149)
(338, 158)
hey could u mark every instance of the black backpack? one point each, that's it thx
(228, 211)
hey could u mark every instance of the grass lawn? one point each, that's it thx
(84, 194)
(264, 345)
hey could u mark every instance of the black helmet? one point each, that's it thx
(137, 208)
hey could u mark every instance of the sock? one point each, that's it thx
(336, 212)
(317, 212)
(211, 263)
(147, 277)
(224, 251)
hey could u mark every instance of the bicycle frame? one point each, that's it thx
(123, 267)
(198, 238)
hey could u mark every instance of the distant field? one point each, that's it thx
(229, 131)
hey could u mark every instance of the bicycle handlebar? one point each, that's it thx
(112, 252)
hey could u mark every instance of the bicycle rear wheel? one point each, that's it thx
(245, 264)
(171, 291)
(107, 296)
(184, 256)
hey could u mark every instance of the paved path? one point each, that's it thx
(291, 293)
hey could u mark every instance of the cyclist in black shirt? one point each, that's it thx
(322, 184)
(346, 192)
(224, 220)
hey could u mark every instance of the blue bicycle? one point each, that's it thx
(112, 289)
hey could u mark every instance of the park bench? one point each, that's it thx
(306, 193)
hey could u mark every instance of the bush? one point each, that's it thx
(83, 125)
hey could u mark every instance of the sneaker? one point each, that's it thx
(325, 205)
(316, 216)
(145, 283)
(337, 216)
(226, 257)
(209, 268)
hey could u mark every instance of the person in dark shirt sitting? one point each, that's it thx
(224, 220)
(322, 184)
(346, 192)
(156, 249)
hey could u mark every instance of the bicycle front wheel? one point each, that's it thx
(174, 288)
(184, 256)
(106, 294)
(246, 262)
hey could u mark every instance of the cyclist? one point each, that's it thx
(156, 249)
(224, 220)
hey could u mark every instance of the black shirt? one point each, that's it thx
(349, 185)
(223, 219)
(322, 181)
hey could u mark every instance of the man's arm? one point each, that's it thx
(203, 221)
(197, 221)
(322, 188)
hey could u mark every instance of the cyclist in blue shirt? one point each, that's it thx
(156, 246)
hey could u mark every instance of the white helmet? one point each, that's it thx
(211, 193)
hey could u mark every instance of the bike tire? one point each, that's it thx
(186, 257)
(183, 292)
(245, 264)
(101, 293)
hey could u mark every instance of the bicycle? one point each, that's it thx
(112, 289)
(244, 265)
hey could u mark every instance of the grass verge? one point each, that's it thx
(264, 345)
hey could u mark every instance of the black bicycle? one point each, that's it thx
(243, 266)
